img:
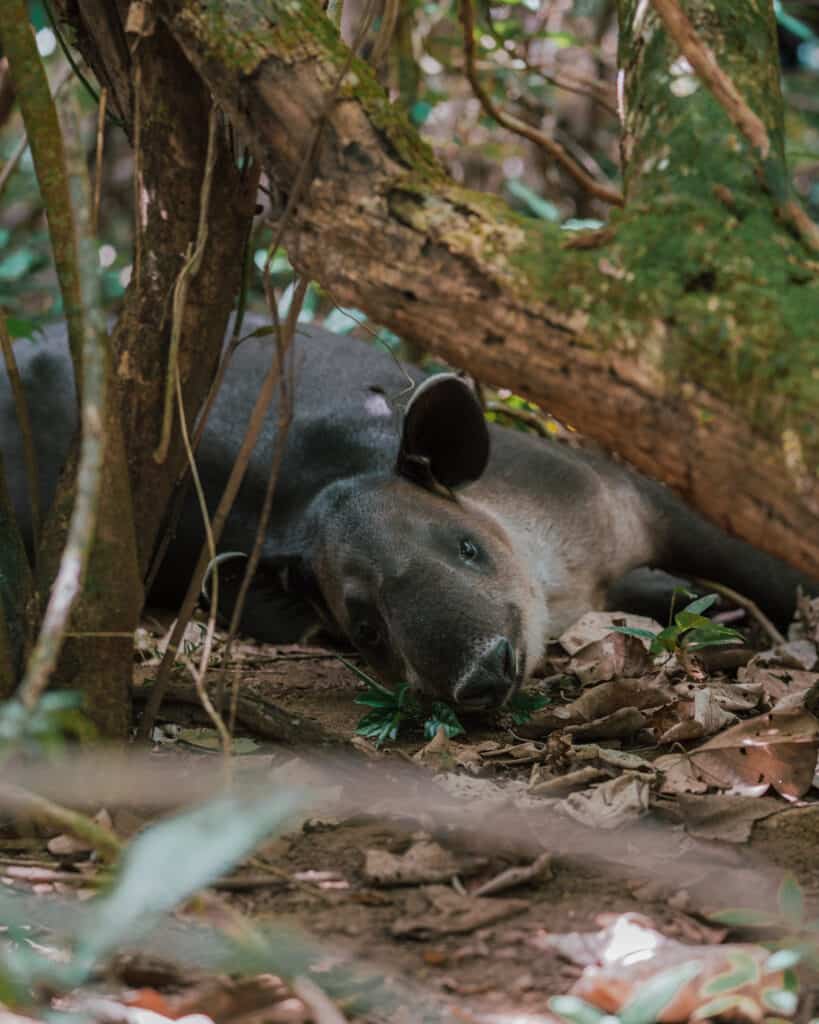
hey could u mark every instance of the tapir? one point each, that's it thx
(446, 550)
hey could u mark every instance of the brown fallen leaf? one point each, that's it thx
(729, 694)
(596, 707)
(539, 868)
(727, 818)
(702, 716)
(593, 626)
(776, 681)
(778, 749)
(611, 657)
(619, 724)
(610, 804)
(678, 775)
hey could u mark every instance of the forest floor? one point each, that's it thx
(484, 874)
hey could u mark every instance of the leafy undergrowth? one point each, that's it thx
(560, 869)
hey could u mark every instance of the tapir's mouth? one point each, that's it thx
(485, 689)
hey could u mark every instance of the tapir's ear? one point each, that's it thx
(445, 440)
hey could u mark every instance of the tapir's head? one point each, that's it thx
(424, 580)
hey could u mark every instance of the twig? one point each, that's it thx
(24, 421)
(75, 257)
(746, 603)
(259, 716)
(701, 58)
(514, 124)
(23, 802)
(180, 489)
(284, 342)
(95, 215)
(389, 19)
(199, 671)
(596, 91)
(180, 292)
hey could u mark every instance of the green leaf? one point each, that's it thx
(442, 715)
(783, 959)
(380, 725)
(378, 700)
(666, 640)
(575, 1010)
(701, 604)
(16, 265)
(169, 862)
(420, 111)
(790, 899)
(743, 970)
(643, 634)
(712, 636)
(686, 620)
(746, 917)
(582, 224)
(746, 1008)
(523, 705)
(535, 204)
(20, 327)
(780, 1000)
(657, 993)
(362, 675)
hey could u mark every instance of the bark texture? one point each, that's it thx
(682, 336)
(165, 107)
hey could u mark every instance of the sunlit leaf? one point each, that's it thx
(169, 862)
(656, 993)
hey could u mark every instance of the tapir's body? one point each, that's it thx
(443, 569)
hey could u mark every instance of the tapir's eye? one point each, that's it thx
(469, 550)
(367, 634)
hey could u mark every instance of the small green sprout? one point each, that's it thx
(522, 706)
(689, 631)
(391, 709)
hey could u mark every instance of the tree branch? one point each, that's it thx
(514, 124)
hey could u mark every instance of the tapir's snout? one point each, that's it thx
(492, 680)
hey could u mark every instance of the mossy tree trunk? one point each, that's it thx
(683, 336)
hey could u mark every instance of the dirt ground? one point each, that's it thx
(325, 882)
(385, 867)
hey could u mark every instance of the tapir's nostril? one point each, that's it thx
(493, 678)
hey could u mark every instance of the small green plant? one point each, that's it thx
(644, 1008)
(163, 866)
(524, 703)
(796, 928)
(393, 708)
(688, 631)
(390, 709)
(57, 718)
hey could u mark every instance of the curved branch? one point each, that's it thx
(514, 124)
